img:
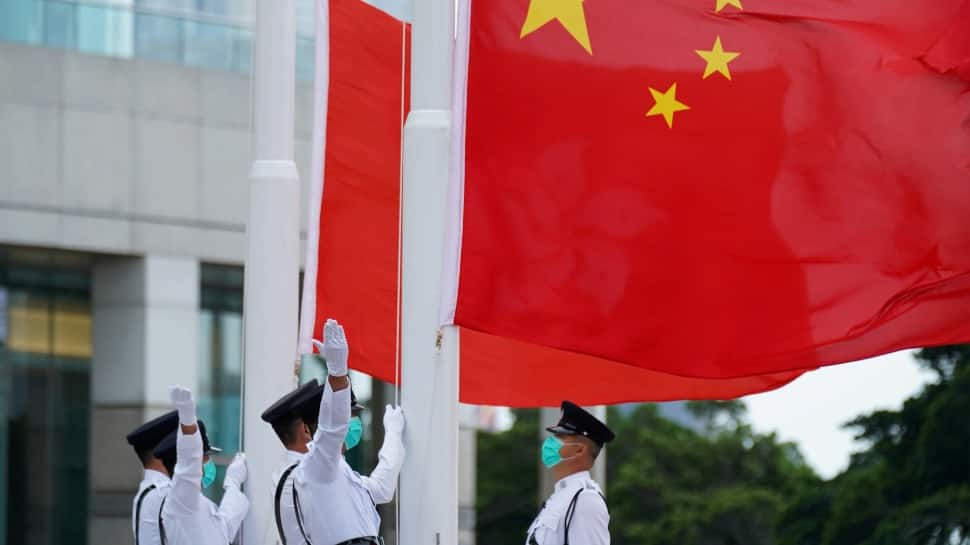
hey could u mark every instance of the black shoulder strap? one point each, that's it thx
(141, 498)
(161, 527)
(299, 515)
(279, 494)
(570, 512)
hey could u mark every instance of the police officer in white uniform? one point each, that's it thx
(188, 517)
(575, 513)
(156, 480)
(334, 505)
(294, 419)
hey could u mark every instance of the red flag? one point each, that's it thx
(352, 242)
(718, 188)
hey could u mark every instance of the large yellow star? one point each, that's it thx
(717, 59)
(666, 104)
(721, 4)
(569, 13)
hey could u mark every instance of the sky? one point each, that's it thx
(811, 410)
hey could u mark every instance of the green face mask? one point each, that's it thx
(208, 474)
(550, 451)
(354, 432)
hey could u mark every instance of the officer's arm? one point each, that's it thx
(232, 511)
(590, 524)
(183, 499)
(323, 457)
(383, 480)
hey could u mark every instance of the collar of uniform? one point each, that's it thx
(155, 477)
(293, 456)
(572, 480)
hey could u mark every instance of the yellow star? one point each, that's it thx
(666, 104)
(717, 59)
(722, 3)
(569, 13)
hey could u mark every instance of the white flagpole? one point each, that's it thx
(272, 261)
(429, 479)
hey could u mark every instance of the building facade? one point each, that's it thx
(124, 155)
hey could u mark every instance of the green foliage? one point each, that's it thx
(508, 481)
(724, 484)
(911, 485)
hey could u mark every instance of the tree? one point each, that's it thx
(911, 484)
(723, 486)
(508, 481)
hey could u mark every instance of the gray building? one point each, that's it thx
(124, 150)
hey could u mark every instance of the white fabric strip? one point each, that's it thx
(321, 94)
(456, 187)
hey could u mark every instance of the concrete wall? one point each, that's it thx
(127, 156)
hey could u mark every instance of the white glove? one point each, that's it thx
(393, 420)
(334, 348)
(183, 402)
(236, 473)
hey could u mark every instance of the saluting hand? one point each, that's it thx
(334, 348)
(184, 403)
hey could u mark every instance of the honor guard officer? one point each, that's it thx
(333, 504)
(156, 480)
(294, 419)
(575, 513)
(188, 517)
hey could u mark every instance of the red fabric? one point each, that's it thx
(359, 223)
(357, 258)
(811, 210)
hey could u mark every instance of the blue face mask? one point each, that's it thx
(550, 451)
(208, 474)
(354, 433)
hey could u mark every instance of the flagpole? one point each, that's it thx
(272, 260)
(429, 479)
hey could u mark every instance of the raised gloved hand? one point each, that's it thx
(334, 348)
(393, 420)
(236, 473)
(184, 403)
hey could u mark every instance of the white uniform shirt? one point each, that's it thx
(147, 527)
(287, 513)
(590, 523)
(189, 517)
(337, 503)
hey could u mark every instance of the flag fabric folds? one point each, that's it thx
(717, 188)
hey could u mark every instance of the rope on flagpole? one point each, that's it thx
(400, 262)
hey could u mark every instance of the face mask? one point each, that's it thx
(208, 474)
(354, 433)
(550, 452)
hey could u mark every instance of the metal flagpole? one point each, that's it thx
(272, 260)
(429, 479)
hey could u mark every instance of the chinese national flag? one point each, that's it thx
(716, 188)
(352, 243)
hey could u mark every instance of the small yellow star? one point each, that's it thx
(569, 13)
(722, 3)
(717, 59)
(666, 104)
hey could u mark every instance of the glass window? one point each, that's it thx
(104, 30)
(21, 21)
(220, 361)
(45, 351)
(210, 45)
(60, 24)
(159, 37)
